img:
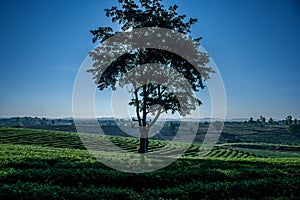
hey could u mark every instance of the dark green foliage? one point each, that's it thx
(288, 120)
(271, 121)
(56, 139)
(294, 128)
(77, 176)
(32, 190)
(39, 172)
(251, 120)
(151, 98)
(262, 120)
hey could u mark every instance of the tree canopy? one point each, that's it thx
(151, 96)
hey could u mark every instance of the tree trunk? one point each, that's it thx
(144, 130)
(144, 140)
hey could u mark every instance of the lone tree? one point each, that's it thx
(150, 98)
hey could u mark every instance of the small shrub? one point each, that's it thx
(294, 128)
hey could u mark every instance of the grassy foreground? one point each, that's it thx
(36, 164)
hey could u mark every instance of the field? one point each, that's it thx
(40, 164)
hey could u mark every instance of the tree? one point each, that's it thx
(288, 120)
(271, 121)
(295, 121)
(151, 98)
(251, 120)
(262, 119)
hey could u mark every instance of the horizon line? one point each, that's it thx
(99, 117)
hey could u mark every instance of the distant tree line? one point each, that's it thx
(293, 124)
(28, 122)
(262, 121)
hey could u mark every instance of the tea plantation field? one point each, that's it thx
(39, 164)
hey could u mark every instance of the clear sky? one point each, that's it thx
(255, 44)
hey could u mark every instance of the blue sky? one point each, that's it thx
(255, 44)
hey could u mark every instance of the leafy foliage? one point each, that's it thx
(294, 128)
(150, 97)
(35, 171)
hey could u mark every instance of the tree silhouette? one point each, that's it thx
(164, 94)
(288, 120)
(262, 120)
(251, 121)
(271, 121)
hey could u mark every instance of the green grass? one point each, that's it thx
(266, 150)
(98, 143)
(36, 164)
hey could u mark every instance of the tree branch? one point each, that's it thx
(144, 119)
(137, 108)
(155, 118)
(159, 111)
